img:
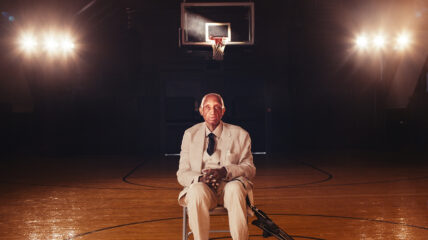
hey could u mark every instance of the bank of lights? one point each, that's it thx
(380, 41)
(51, 44)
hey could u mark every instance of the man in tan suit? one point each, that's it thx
(216, 166)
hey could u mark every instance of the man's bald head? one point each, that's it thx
(212, 94)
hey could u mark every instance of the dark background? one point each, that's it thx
(132, 90)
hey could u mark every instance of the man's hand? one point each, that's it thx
(213, 177)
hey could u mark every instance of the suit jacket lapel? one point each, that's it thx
(226, 141)
(198, 141)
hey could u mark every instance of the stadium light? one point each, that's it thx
(379, 41)
(362, 42)
(383, 46)
(67, 44)
(49, 43)
(28, 43)
(402, 41)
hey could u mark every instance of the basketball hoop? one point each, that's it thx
(218, 44)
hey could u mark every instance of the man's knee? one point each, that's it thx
(234, 188)
(197, 192)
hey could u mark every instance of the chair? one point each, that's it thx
(219, 210)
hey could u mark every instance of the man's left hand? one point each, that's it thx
(215, 176)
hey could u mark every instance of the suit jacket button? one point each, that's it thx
(218, 163)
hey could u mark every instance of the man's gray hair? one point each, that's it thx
(212, 94)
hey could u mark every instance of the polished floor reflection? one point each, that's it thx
(346, 195)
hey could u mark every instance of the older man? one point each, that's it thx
(216, 166)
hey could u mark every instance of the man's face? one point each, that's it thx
(211, 111)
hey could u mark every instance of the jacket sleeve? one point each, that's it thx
(185, 175)
(245, 166)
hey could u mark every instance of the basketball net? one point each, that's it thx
(218, 44)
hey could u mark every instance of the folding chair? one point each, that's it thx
(219, 210)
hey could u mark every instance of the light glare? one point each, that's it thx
(379, 41)
(67, 44)
(51, 44)
(400, 41)
(28, 43)
(362, 42)
(403, 41)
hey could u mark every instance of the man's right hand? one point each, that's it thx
(210, 181)
(213, 177)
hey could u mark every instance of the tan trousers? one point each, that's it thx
(200, 199)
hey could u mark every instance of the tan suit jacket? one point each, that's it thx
(237, 159)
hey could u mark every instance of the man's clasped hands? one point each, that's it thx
(213, 177)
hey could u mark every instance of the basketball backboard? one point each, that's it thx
(200, 22)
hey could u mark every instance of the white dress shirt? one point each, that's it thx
(213, 161)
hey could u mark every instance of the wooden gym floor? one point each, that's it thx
(346, 195)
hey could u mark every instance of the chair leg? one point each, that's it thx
(185, 235)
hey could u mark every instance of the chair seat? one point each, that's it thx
(219, 210)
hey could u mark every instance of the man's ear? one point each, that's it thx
(223, 110)
(201, 111)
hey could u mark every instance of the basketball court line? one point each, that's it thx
(270, 214)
